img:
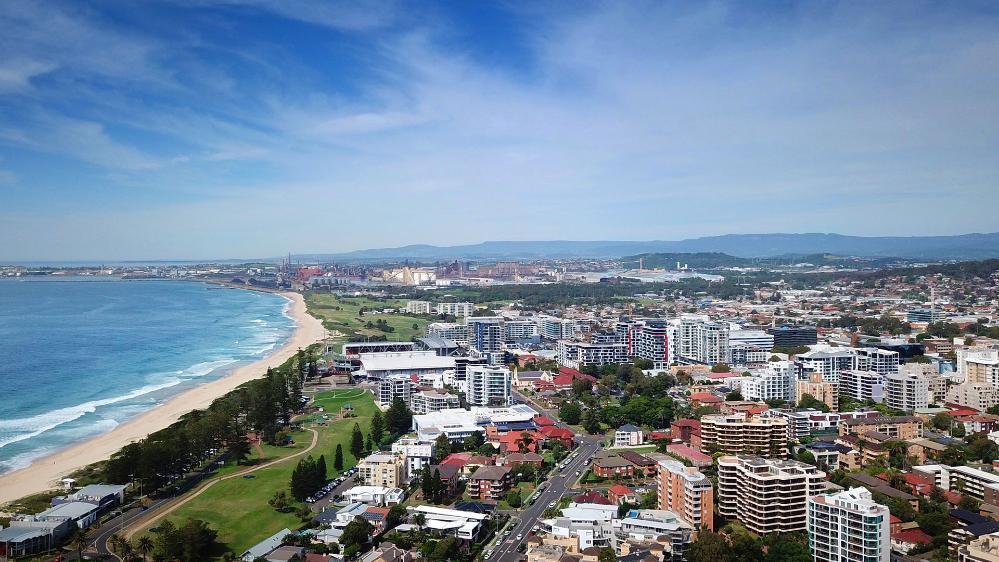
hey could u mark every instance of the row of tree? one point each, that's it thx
(264, 406)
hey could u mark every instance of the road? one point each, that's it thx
(134, 519)
(558, 484)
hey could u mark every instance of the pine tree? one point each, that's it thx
(338, 458)
(377, 426)
(367, 444)
(321, 470)
(356, 442)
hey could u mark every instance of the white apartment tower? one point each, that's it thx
(906, 392)
(848, 527)
(488, 385)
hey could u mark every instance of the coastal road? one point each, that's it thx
(558, 484)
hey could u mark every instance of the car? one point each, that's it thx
(520, 536)
(578, 473)
(553, 504)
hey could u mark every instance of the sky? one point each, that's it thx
(210, 129)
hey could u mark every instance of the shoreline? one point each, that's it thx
(44, 473)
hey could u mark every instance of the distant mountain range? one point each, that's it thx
(960, 247)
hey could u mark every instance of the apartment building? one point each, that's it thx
(485, 336)
(699, 340)
(490, 482)
(974, 395)
(862, 385)
(826, 361)
(651, 341)
(415, 455)
(906, 392)
(686, 492)
(519, 330)
(489, 386)
(554, 329)
(980, 355)
(816, 387)
(982, 549)
(849, 526)
(419, 307)
(395, 386)
(742, 434)
(767, 495)
(895, 427)
(936, 383)
(381, 469)
(770, 384)
(881, 361)
(575, 354)
(427, 401)
(964, 479)
(750, 338)
(461, 309)
(453, 331)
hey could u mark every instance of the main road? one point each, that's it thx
(505, 549)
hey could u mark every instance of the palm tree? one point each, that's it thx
(81, 541)
(144, 545)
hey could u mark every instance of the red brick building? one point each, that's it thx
(490, 482)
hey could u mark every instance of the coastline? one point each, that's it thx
(44, 473)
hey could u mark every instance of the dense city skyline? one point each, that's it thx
(203, 130)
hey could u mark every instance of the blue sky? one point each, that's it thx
(226, 129)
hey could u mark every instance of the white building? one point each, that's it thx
(489, 386)
(383, 365)
(378, 496)
(462, 309)
(628, 435)
(772, 383)
(456, 332)
(461, 524)
(427, 401)
(906, 392)
(964, 479)
(575, 354)
(862, 385)
(485, 336)
(418, 307)
(415, 454)
(880, 361)
(395, 386)
(459, 423)
(589, 523)
(848, 526)
(518, 330)
(750, 338)
(827, 361)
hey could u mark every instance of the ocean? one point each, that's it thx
(78, 356)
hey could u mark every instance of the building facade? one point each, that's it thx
(686, 492)
(767, 495)
(742, 434)
(848, 526)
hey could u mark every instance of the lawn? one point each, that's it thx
(341, 314)
(641, 449)
(238, 507)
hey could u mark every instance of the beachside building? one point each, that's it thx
(381, 469)
(687, 492)
(767, 495)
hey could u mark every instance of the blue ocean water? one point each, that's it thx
(78, 356)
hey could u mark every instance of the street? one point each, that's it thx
(505, 549)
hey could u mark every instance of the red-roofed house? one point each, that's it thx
(560, 434)
(514, 459)
(521, 441)
(592, 497)
(542, 421)
(961, 410)
(577, 374)
(701, 399)
(920, 484)
(619, 493)
(904, 541)
(467, 462)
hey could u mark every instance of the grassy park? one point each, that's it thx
(238, 507)
(342, 314)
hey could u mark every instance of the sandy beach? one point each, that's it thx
(45, 473)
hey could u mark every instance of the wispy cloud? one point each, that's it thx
(607, 120)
